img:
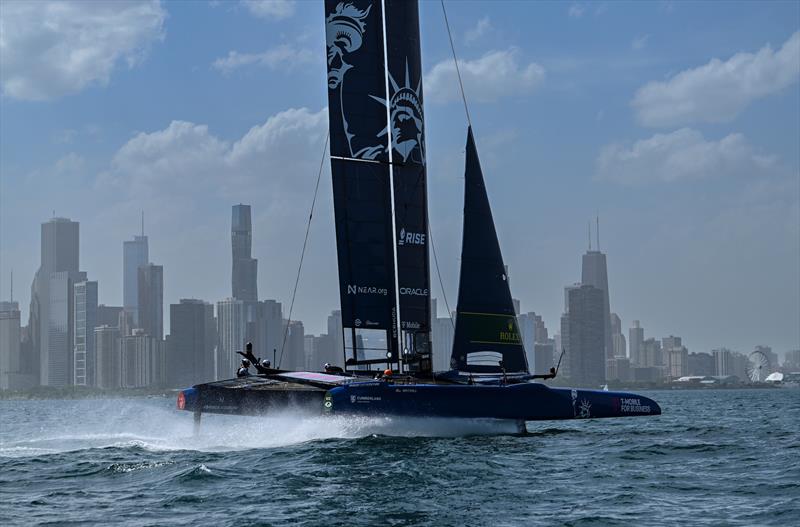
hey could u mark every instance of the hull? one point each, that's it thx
(250, 396)
(524, 401)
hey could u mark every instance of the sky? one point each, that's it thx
(677, 123)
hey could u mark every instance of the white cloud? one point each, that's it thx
(272, 58)
(52, 49)
(483, 26)
(718, 91)
(681, 155)
(186, 158)
(497, 74)
(576, 10)
(640, 42)
(274, 9)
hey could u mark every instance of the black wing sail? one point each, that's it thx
(487, 337)
(360, 173)
(407, 129)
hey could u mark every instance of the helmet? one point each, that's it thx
(326, 365)
(265, 363)
(387, 373)
(245, 363)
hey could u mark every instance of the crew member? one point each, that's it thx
(265, 363)
(244, 369)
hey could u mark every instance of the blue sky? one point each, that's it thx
(678, 122)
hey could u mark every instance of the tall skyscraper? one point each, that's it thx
(231, 332)
(108, 369)
(244, 278)
(51, 311)
(10, 340)
(150, 300)
(594, 272)
(635, 340)
(85, 297)
(135, 253)
(582, 335)
(190, 345)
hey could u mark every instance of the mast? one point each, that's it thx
(406, 127)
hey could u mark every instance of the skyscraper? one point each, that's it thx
(244, 278)
(582, 335)
(635, 340)
(594, 272)
(336, 351)
(617, 338)
(135, 253)
(294, 349)
(150, 300)
(107, 357)
(231, 330)
(9, 344)
(50, 322)
(190, 345)
(85, 297)
(141, 360)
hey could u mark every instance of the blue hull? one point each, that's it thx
(524, 401)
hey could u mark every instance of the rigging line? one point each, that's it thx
(439, 274)
(305, 243)
(455, 61)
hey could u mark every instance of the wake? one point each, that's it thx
(156, 428)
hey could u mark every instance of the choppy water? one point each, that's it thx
(713, 458)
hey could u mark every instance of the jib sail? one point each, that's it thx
(487, 337)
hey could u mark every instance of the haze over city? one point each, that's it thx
(685, 146)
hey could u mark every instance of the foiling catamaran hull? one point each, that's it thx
(526, 401)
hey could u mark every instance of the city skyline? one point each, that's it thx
(700, 209)
(150, 283)
(72, 339)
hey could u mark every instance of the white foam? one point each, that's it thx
(156, 428)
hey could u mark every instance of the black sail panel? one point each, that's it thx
(366, 278)
(360, 173)
(407, 130)
(486, 324)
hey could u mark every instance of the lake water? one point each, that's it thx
(722, 457)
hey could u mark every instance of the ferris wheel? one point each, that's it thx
(758, 366)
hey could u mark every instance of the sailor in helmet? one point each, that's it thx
(244, 369)
(265, 363)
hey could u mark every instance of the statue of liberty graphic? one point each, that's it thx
(346, 31)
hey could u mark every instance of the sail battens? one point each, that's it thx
(486, 323)
(358, 160)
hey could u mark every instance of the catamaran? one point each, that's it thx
(378, 166)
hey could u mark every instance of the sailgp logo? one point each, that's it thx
(410, 238)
